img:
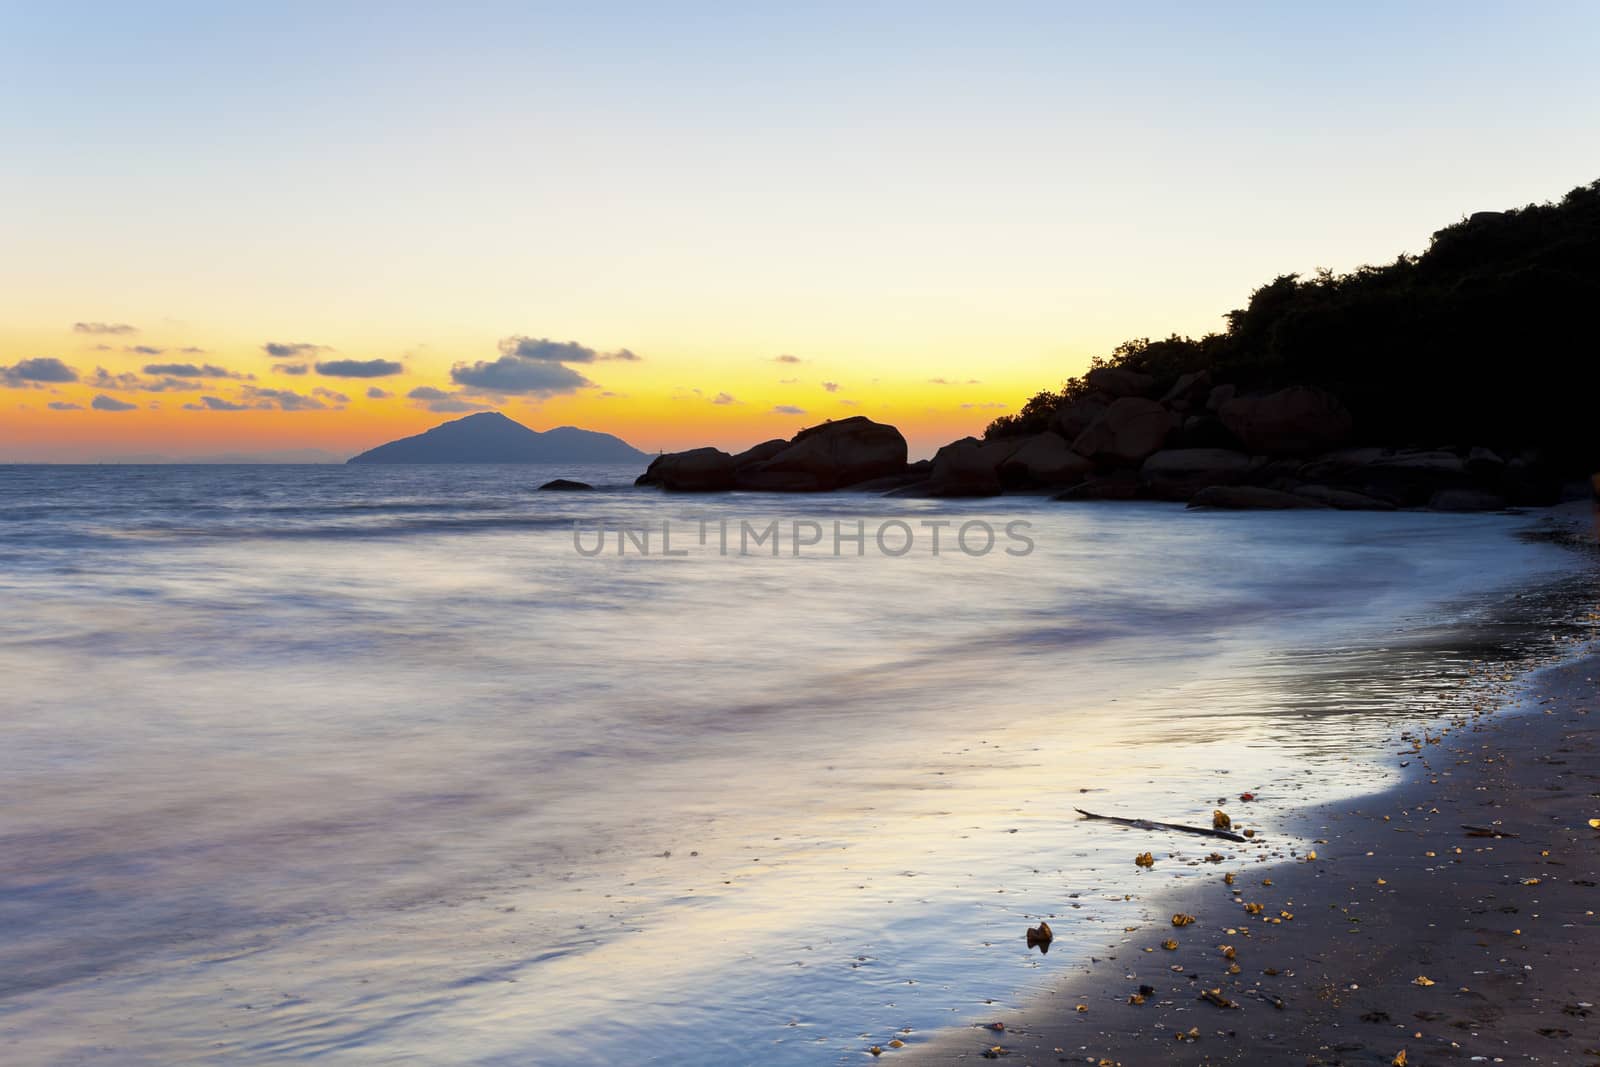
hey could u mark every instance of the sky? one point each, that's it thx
(235, 228)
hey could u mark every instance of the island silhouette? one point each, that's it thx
(490, 437)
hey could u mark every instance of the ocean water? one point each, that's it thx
(380, 765)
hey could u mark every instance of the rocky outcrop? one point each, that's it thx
(1290, 421)
(1343, 499)
(1189, 392)
(699, 470)
(1043, 461)
(1177, 474)
(1118, 485)
(1466, 500)
(830, 456)
(1078, 416)
(968, 467)
(1129, 430)
(565, 485)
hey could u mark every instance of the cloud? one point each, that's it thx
(191, 351)
(723, 398)
(291, 368)
(42, 369)
(786, 358)
(330, 395)
(439, 400)
(544, 350)
(62, 405)
(110, 403)
(374, 393)
(947, 381)
(787, 381)
(832, 387)
(990, 406)
(128, 382)
(850, 403)
(212, 403)
(359, 368)
(143, 350)
(516, 375)
(104, 327)
(289, 350)
(284, 399)
(190, 370)
(788, 409)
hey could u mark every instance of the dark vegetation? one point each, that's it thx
(1487, 338)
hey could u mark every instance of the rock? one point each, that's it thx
(1343, 499)
(1044, 459)
(1078, 416)
(1131, 429)
(1293, 420)
(1177, 473)
(1220, 396)
(1485, 464)
(1189, 391)
(564, 484)
(764, 451)
(1249, 497)
(969, 467)
(889, 482)
(1120, 485)
(1118, 382)
(699, 470)
(826, 457)
(1203, 431)
(1466, 500)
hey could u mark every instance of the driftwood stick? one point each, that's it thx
(1151, 824)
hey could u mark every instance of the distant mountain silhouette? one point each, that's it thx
(490, 437)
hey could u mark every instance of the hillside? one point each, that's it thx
(490, 437)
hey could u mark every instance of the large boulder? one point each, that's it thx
(1118, 485)
(1290, 421)
(968, 467)
(826, 457)
(1252, 497)
(757, 453)
(1044, 459)
(565, 485)
(1078, 416)
(1203, 431)
(1119, 382)
(1466, 500)
(1178, 473)
(699, 470)
(1128, 431)
(1189, 391)
(1407, 478)
(1343, 499)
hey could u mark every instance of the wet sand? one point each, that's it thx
(1408, 932)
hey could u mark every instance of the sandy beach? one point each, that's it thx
(1450, 919)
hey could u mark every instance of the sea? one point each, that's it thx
(424, 765)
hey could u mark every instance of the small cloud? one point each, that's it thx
(191, 370)
(110, 403)
(291, 368)
(104, 327)
(850, 403)
(289, 350)
(62, 405)
(330, 395)
(516, 375)
(544, 350)
(374, 393)
(40, 370)
(788, 409)
(786, 359)
(990, 406)
(623, 355)
(723, 398)
(787, 381)
(143, 350)
(192, 351)
(284, 399)
(441, 401)
(832, 387)
(940, 381)
(609, 395)
(213, 403)
(359, 368)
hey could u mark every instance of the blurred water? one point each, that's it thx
(368, 765)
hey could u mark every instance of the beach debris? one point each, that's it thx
(1594, 824)
(1170, 945)
(1490, 831)
(1151, 824)
(1227, 951)
(1144, 859)
(875, 1050)
(1181, 919)
(1135, 998)
(1081, 1008)
(1040, 936)
(1399, 1059)
(1247, 797)
(897, 1043)
(1191, 1034)
(1214, 996)
(1227, 879)
(994, 1052)
(1311, 856)
(1423, 980)
(1220, 820)
(1254, 909)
